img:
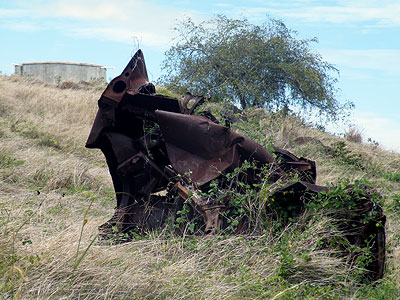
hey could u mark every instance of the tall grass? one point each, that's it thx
(47, 193)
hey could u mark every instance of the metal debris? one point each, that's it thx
(155, 144)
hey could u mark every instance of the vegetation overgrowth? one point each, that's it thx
(263, 65)
(54, 193)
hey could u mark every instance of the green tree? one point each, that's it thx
(264, 66)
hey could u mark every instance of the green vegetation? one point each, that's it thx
(7, 161)
(30, 130)
(263, 66)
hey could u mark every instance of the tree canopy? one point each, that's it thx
(254, 65)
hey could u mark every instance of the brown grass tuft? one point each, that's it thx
(353, 135)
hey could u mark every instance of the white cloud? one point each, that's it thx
(112, 20)
(91, 10)
(11, 13)
(383, 15)
(154, 21)
(223, 5)
(380, 13)
(384, 60)
(23, 26)
(383, 130)
(121, 35)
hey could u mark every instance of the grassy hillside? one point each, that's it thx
(54, 193)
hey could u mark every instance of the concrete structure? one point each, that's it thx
(56, 71)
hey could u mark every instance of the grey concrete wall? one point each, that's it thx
(18, 69)
(55, 72)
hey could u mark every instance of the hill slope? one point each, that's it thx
(54, 193)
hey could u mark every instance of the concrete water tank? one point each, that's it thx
(56, 71)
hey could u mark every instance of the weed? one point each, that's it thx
(40, 178)
(31, 131)
(346, 206)
(395, 205)
(165, 92)
(42, 139)
(373, 142)
(392, 176)
(344, 156)
(12, 264)
(78, 258)
(7, 161)
(384, 289)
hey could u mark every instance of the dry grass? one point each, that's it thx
(48, 180)
(65, 114)
(353, 135)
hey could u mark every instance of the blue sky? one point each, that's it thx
(360, 37)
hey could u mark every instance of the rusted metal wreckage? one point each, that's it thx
(154, 143)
